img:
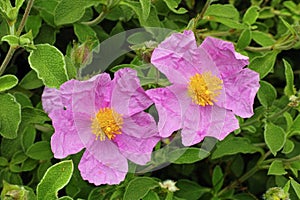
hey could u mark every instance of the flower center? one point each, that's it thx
(204, 88)
(107, 123)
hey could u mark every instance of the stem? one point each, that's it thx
(201, 14)
(8, 57)
(12, 50)
(247, 175)
(97, 20)
(278, 114)
(25, 16)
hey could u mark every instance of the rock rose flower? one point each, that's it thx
(106, 118)
(209, 87)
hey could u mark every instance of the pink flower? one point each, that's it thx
(209, 87)
(106, 118)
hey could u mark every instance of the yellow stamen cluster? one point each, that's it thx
(107, 123)
(204, 88)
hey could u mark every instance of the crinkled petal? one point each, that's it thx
(94, 171)
(65, 140)
(66, 93)
(195, 124)
(128, 97)
(179, 58)
(205, 121)
(169, 110)
(140, 125)
(224, 56)
(138, 150)
(222, 122)
(240, 89)
(51, 100)
(91, 95)
(107, 153)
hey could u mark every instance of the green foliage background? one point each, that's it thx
(46, 42)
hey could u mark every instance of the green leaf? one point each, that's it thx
(151, 196)
(139, 187)
(251, 15)
(49, 63)
(173, 4)
(266, 12)
(187, 155)
(276, 168)
(289, 89)
(84, 32)
(289, 26)
(244, 39)
(28, 137)
(217, 178)
(152, 21)
(40, 151)
(12, 40)
(70, 11)
(33, 24)
(7, 82)
(223, 11)
(146, 7)
(55, 178)
(31, 81)
(33, 116)
(296, 187)
(274, 137)
(263, 39)
(190, 190)
(266, 94)
(288, 147)
(10, 116)
(264, 64)
(234, 145)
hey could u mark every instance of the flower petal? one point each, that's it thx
(51, 99)
(179, 58)
(128, 97)
(224, 56)
(222, 122)
(195, 124)
(206, 121)
(65, 140)
(107, 153)
(169, 111)
(138, 150)
(91, 95)
(240, 89)
(94, 171)
(140, 125)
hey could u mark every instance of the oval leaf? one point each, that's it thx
(234, 145)
(40, 151)
(139, 187)
(55, 178)
(274, 137)
(289, 89)
(31, 81)
(266, 94)
(264, 64)
(7, 82)
(70, 11)
(251, 15)
(10, 116)
(187, 155)
(49, 63)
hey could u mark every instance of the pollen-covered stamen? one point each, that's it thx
(204, 88)
(107, 123)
